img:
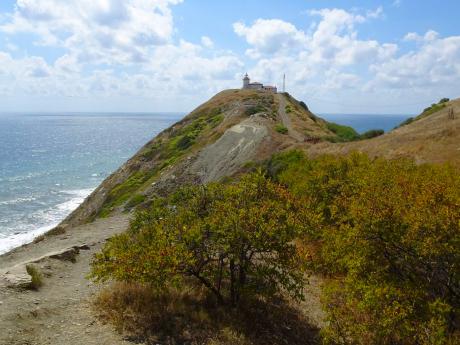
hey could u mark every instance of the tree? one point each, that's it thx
(235, 239)
(303, 105)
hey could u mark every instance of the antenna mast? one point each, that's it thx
(284, 82)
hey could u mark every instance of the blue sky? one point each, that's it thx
(392, 56)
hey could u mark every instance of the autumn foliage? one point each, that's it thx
(384, 235)
(234, 239)
(387, 235)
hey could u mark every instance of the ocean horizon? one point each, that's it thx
(50, 162)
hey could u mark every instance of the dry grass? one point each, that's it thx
(192, 317)
(431, 139)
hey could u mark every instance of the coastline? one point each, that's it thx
(19, 239)
(60, 311)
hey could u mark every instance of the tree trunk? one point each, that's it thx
(232, 283)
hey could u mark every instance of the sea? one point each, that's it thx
(49, 163)
(364, 122)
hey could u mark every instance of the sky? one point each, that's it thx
(395, 56)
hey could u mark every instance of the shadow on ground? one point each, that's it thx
(190, 317)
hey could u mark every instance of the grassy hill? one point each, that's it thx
(432, 137)
(215, 140)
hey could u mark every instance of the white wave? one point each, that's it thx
(51, 217)
(23, 177)
(17, 201)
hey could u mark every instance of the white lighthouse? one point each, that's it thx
(246, 81)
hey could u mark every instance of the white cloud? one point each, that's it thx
(97, 31)
(113, 48)
(333, 40)
(436, 63)
(207, 42)
(270, 36)
(430, 35)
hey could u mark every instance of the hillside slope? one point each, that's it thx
(235, 127)
(215, 140)
(434, 138)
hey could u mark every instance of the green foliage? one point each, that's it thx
(288, 108)
(303, 105)
(234, 239)
(166, 151)
(405, 122)
(280, 128)
(135, 200)
(254, 110)
(344, 133)
(389, 234)
(371, 134)
(36, 277)
(434, 108)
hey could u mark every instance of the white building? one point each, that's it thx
(256, 85)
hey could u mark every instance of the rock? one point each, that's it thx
(17, 276)
(83, 247)
(68, 254)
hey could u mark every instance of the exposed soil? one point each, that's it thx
(59, 312)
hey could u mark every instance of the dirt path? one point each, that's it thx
(59, 312)
(286, 120)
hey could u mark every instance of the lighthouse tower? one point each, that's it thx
(246, 81)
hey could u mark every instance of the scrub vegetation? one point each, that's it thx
(167, 150)
(384, 234)
(347, 133)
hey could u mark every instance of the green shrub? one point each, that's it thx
(344, 133)
(36, 277)
(281, 128)
(135, 200)
(405, 122)
(235, 240)
(371, 134)
(387, 234)
(254, 110)
(303, 105)
(185, 142)
(431, 110)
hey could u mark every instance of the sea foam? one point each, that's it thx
(51, 216)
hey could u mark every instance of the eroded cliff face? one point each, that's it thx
(215, 140)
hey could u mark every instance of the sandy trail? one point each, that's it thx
(59, 312)
(286, 120)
